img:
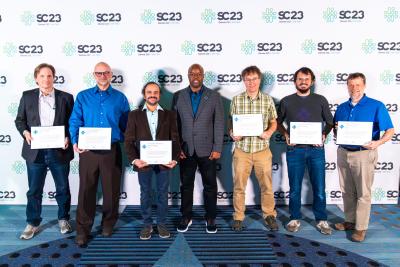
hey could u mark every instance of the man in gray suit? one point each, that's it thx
(201, 129)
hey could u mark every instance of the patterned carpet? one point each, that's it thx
(254, 247)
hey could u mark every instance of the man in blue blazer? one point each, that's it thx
(201, 129)
(45, 106)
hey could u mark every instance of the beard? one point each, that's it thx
(303, 90)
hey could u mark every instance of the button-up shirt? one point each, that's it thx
(367, 109)
(152, 119)
(195, 99)
(104, 109)
(47, 108)
(261, 104)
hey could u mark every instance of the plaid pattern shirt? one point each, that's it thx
(262, 104)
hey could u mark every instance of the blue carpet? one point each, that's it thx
(254, 247)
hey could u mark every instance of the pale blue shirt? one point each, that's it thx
(152, 119)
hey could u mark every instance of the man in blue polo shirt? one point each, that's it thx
(357, 163)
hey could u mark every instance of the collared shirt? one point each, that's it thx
(47, 108)
(96, 108)
(152, 119)
(195, 98)
(261, 104)
(368, 110)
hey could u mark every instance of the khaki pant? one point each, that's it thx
(243, 163)
(356, 176)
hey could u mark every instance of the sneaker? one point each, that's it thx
(293, 226)
(29, 232)
(324, 228)
(184, 225)
(211, 227)
(65, 226)
(270, 222)
(145, 233)
(163, 231)
(237, 226)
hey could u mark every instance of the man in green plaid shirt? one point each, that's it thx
(253, 151)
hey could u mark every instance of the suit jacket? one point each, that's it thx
(138, 129)
(28, 116)
(204, 132)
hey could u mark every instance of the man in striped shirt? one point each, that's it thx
(253, 151)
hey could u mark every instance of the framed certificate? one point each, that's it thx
(156, 152)
(93, 138)
(47, 137)
(309, 133)
(247, 124)
(354, 133)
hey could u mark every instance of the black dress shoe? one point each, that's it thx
(81, 240)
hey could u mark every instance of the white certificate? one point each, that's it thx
(47, 137)
(156, 152)
(309, 133)
(247, 124)
(93, 138)
(353, 133)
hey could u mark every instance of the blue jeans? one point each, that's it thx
(162, 182)
(37, 171)
(297, 159)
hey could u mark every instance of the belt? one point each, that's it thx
(354, 149)
(303, 146)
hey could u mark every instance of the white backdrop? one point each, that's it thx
(159, 40)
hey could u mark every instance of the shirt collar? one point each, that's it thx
(52, 94)
(157, 109)
(361, 102)
(198, 92)
(257, 96)
(108, 90)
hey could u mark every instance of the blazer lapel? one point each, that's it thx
(35, 106)
(57, 102)
(186, 97)
(161, 117)
(145, 122)
(204, 99)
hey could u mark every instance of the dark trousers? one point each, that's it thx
(146, 192)
(106, 164)
(208, 173)
(37, 171)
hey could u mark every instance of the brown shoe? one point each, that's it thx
(344, 226)
(358, 235)
(81, 240)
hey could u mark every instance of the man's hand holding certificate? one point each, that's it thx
(309, 133)
(247, 124)
(92, 138)
(156, 152)
(47, 137)
(353, 133)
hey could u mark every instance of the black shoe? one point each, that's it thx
(184, 224)
(211, 227)
(81, 240)
(270, 222)
(107, 232)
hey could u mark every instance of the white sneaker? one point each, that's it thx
(29, 232)
(293, 226)
(324, 227)
(65, 226)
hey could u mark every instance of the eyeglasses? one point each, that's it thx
(100, 73)
(195, 74)
(251, 80)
